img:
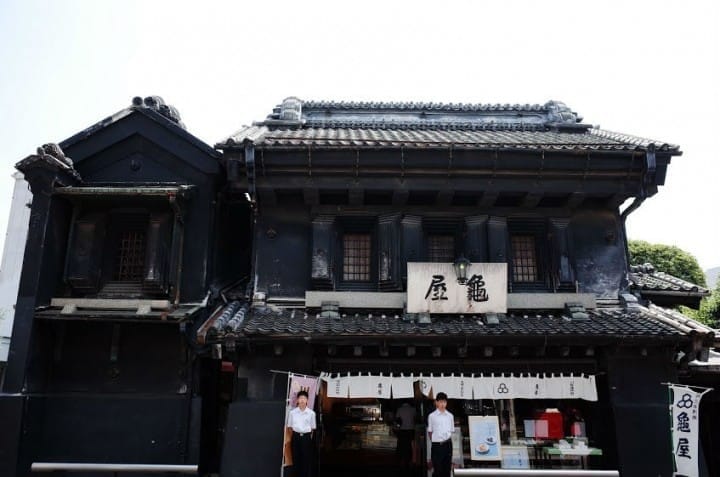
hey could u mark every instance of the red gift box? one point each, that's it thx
(554, 421)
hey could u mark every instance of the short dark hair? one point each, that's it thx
(441, 397)
(302, 393)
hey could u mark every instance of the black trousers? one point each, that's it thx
(405, 439)
(441, 456)
(302, 452)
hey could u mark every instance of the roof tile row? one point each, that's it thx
(645, 278)
(615, 322)
(336, 137)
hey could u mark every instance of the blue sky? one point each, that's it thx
(645, 68)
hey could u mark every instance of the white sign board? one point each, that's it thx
(484, 438)
(434, 288)
(685, 428)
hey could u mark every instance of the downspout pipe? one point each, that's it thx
(250, 168)
(647, 189)
(250, 171)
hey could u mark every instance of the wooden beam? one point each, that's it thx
(616, 200)
(400, 197)
(356, 196)
(267, 196)
(379, 182)
(445, 197)
(575, 199)
(109, 303)
(488, 199)
(311, 196)
(532, 199)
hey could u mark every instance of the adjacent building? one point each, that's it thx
(123, 255)
(12, 258)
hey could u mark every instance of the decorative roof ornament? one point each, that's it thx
(156, 103)
(559, 112)
(52, 155)
(296, 113)
(291, 109)
(643, 268)
(52, 151)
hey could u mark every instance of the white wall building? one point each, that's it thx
(12, 259)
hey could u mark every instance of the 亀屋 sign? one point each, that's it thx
(434, 288)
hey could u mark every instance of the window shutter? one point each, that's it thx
(476, 238)
(412, 242)
(323, 229)
(563, 275)
(157, 253)
(497, 239)
(84, 255)
(389, 252)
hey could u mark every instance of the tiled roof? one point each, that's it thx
(477, 138)
(327, 124)
(418, 106)
(637, 322)
(646, 278)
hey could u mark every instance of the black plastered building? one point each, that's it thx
(124, 254)
(345, 195)
(166, 282)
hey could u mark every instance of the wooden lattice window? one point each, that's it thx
(357, 257)
(525, 260)
(441, 248)
(130, 256)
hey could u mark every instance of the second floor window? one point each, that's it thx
(524, 259)
(130, 256)
(441, 248)
(528, 255)
(120, 253)
(357, 257)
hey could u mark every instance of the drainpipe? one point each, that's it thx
(647, 189)
(250, 171)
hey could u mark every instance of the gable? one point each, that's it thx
(138, 145)
(137, 159)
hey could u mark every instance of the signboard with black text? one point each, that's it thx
(434, 288)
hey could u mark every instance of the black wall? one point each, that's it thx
(257, 452)
(111, 429)
(282, 250)
(593, 242)
(640, 406)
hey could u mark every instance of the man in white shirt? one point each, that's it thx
(441, 425)
(301, 421)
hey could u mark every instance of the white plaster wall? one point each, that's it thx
(12, 259)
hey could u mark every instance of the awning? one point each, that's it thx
(504, 386)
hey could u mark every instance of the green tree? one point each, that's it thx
(709, 311)
(667, 258)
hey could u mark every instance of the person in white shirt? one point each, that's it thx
(302, 422)
(441, 425)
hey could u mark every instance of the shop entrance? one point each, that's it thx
(379, 437)
(364, 436)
